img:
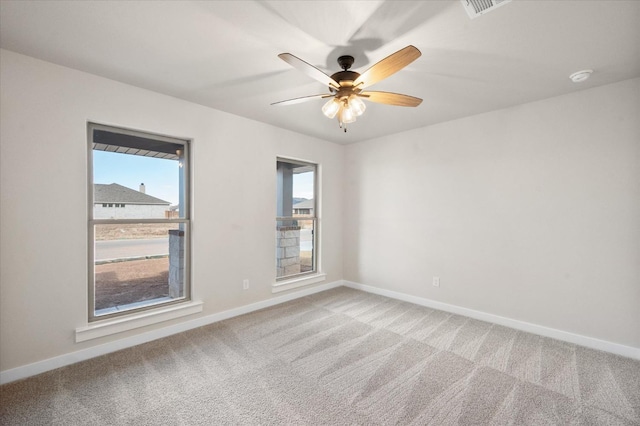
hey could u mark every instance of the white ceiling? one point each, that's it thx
(223, 54)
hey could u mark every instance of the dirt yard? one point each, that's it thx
(305, 261)
(122, 283)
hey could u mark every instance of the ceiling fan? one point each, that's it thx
(347, 87)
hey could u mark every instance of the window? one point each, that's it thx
(138, 256)
(296, 219)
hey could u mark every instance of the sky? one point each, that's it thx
(160, 176)
(303, 185)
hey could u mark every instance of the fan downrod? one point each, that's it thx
(345, 62)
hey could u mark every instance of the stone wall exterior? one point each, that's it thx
(287, 250)
(176, 263)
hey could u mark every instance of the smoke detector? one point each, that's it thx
(476, 8)
(580, 76)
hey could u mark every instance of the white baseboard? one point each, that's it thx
(589, 342)
(94, 351)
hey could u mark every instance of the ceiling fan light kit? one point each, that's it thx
(347, 87)
(356, 104)
(331, 108)
(347, 108)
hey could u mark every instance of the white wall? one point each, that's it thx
(43, 161)
(531, 213)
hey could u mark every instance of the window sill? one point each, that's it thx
(130, 322)
(297, 282)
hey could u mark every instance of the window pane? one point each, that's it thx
(296, 243)
(141, 179)
(303, 188)
(150, 187)
(296, 189)
(138, 265)
(294, 247)
(307, 261)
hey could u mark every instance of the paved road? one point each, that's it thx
(118, 249)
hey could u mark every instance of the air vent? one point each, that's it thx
(476, 8)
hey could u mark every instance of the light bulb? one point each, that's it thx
(331, 108)
(356, 105)
(346, 115)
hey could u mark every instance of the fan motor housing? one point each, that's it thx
(344, 78)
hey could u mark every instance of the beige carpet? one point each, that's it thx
(337, 357)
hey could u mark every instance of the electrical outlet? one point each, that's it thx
(245, 284)
(436, 281)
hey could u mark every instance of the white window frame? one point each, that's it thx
(292, 281)
(155, 309)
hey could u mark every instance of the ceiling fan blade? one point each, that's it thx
(302, 99)
(388, 66)
(309, 70)
(391, 98)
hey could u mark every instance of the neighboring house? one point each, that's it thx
(304, 208)
(115, 201)
(173, 212)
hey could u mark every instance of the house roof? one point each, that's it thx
(115, 193)
(306, 204)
